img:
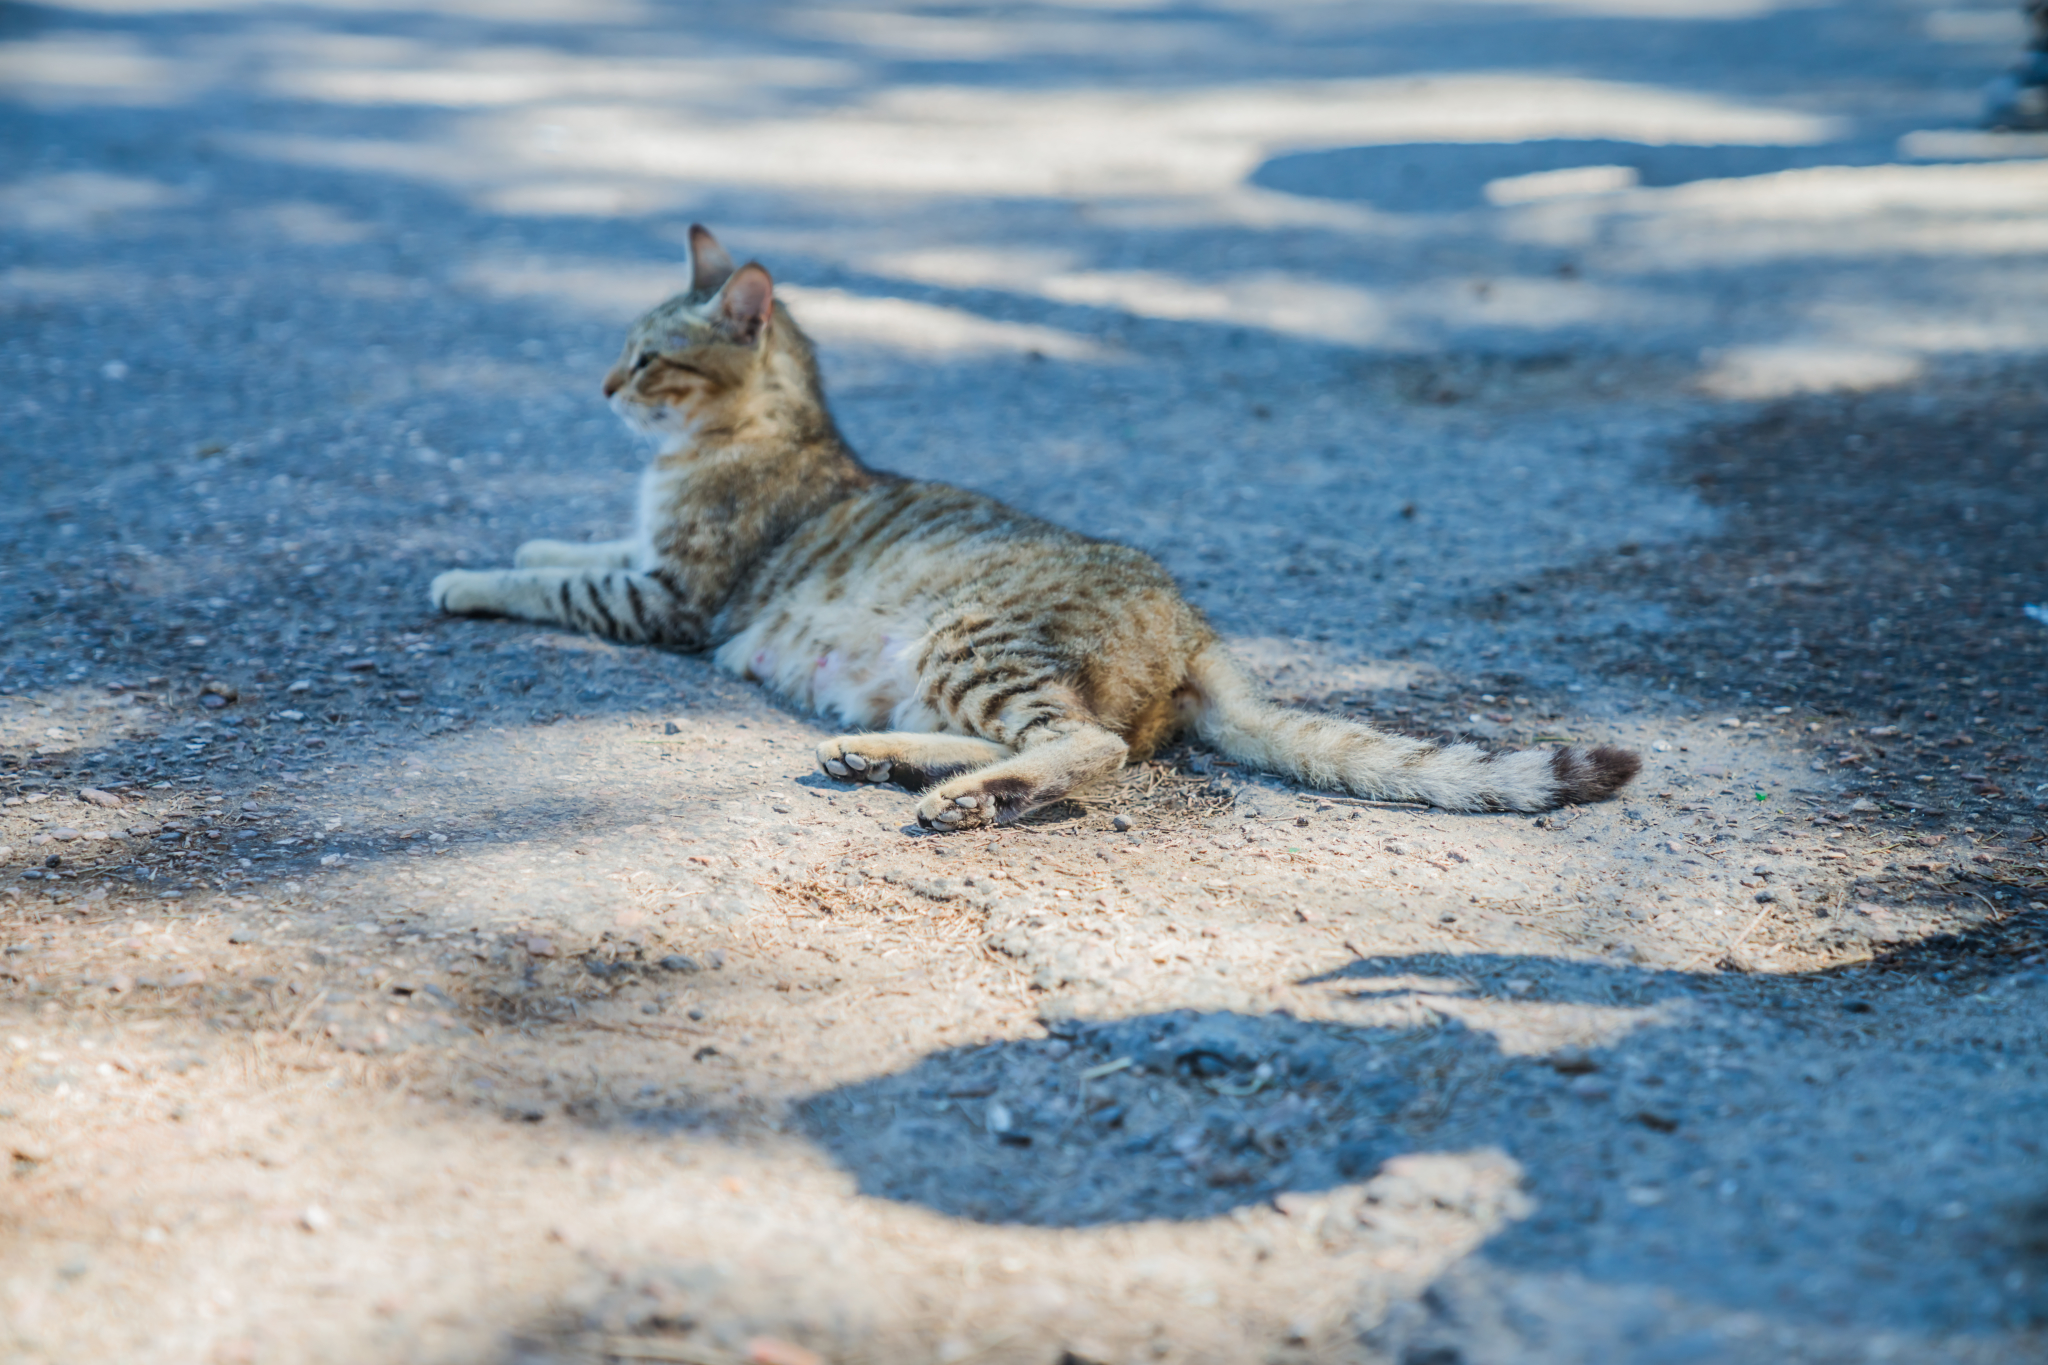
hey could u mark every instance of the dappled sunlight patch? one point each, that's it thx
(36, 284)
(616, 292)
(306, 223)
(954, 141)
(67, 69)
(76, 201)
(484, 77)
(1849, 192)
(1301, 306)
(499, 11)
(915, 327)
(1755, 372)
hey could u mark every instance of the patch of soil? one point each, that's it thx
(1867, 590)
(1876, 557)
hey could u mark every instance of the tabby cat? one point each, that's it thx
(991, 661)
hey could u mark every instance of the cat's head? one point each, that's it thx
(689, 357)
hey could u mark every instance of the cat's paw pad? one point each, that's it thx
(461, 592)
(948, 813)
(840, 762)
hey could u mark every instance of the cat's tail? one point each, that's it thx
(1227, 710)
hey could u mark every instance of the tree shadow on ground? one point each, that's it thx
(1446, 177)
(1874, 560)
(1708, 1186)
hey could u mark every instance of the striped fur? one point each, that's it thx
(989, 661)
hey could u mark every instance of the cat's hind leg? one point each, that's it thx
(569, 554)
(911, 760)
(1036, 776)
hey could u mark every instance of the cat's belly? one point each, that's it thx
(851, 664)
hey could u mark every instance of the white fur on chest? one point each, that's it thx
(661, 489)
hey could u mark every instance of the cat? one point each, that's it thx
(991, 662)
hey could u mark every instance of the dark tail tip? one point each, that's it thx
(1592, 776)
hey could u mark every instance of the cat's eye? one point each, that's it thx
(643, 360)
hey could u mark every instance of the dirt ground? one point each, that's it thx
(379, 985)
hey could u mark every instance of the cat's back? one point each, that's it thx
(903, 540)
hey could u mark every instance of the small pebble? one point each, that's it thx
(65, 834)
(1121, 823)
(1357, 1160)
(316, 1219)
(99, 798)
(540, 947)
(676, 962)
(213, 701)
(1590, 1088)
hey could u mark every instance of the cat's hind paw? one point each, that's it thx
(949, 813)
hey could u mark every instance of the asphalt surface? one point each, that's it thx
(1662, 372)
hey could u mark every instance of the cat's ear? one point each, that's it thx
(746, 303)
(710, 265)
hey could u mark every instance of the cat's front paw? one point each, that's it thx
(838, 759)
(948, 813)
(461, 592)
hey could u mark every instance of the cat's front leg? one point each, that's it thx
(617, 604)
(569, 554)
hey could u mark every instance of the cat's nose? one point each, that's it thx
(615, 381)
